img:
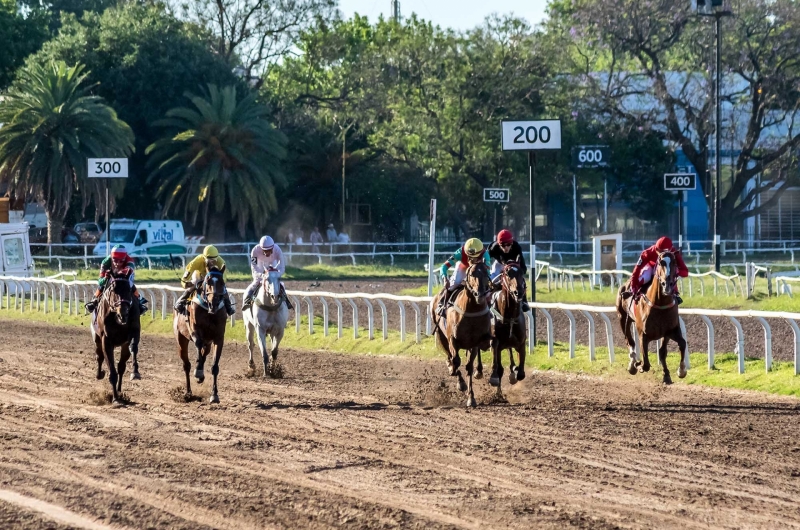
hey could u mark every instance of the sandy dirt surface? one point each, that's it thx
(378, 442)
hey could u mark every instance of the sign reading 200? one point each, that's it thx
(531, 135)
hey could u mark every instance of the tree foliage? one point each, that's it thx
(219, 155)
(20, 35)
(51, 125)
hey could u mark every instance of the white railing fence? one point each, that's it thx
(57, 295)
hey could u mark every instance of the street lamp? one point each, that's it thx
(716, 9)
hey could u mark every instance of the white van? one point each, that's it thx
(15, 250)
(145, 237)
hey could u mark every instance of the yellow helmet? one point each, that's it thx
(211, 252)
(473, 247)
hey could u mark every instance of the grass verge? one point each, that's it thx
(781, 380)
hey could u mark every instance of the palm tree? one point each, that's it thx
(51, 126)
(222, 151)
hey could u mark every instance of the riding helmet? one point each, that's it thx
(473, 247)
(664, 243)
(211, 252)
(118, 253)
(266, 243)
(505, 236)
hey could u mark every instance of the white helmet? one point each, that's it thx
(266, 243)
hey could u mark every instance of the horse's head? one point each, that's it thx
(213, 289)
(667, 273)
(271, 285)
(477, 281)
(119, 295)
(514, 281)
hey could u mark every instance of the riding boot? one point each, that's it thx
(91, 305)
(286, 298)
(226, 299)
(678, 299)
(142, 305)
(180, 304)
(524, 306)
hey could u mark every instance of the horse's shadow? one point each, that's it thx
(681, 408)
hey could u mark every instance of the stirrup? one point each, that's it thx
(248, 303)
(678, 299)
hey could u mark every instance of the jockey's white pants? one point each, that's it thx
(497, 268)
(646, 275)
(459, 273)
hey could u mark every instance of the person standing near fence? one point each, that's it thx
(316, 240)
(331, 234)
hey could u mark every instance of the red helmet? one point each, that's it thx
(505, 236)
(664, 243)
(118, 253)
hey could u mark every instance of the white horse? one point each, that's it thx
(267, 316)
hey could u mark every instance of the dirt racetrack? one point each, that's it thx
(367, 442)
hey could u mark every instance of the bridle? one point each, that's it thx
(666, 273)
(476, 293)
(216, 292)
(506, 277)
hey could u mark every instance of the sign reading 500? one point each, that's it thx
(529, 135)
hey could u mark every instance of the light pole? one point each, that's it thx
(716, 9)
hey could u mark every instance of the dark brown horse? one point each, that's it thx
(509, 327)
(116, 324)
(466, 325)
(204, 324)
(655, 316)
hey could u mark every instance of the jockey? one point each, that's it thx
(200, 265)
(266, 256)
(115, 263)
(503, 251)
(471, 252)
(643, 271)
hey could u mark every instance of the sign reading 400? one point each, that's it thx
(531, 135)
(680, 181)
(108, 168)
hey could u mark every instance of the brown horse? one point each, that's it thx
(466, 325)
(655, 315)
(116, 324)
(204, 324)
(509, 326)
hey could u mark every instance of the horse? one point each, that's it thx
(116, 324)
(465, 326)
(204, 324)
(509, 326)
(267, 316)
(655, 315)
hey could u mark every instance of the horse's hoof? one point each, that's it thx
(117, 403)
(494, 381)
(252, 365)
(136, 376)
(667, 379)
(520, 373)
(213, 399)
(682, 373)
(471, 402)
(645, 367)
(478, 375)
(632, 368)
(456, 362)
(462, 386)
(100, 374)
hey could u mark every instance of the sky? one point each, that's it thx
(456, 14)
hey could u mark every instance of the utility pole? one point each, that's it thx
(396, 10)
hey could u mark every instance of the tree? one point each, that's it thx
(256, 32)
(142, 60)
(51, 126)
(653, 66)
(20, 35)
(224, 151)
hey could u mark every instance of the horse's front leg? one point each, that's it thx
(644, 340)
(479, 369)
(124, 355)
(98, 351)
(519, 370)
(262, 345)
(108, 351)
(199, 370)
(474, 352)
(276, 341)
(135, 338)
(628, 332)
(249, 333)
(215, 370)
(497, 365)
(453, 359)
(662, 358)
(677, 336)
(183, 353)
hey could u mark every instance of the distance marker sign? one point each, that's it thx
(531, 135)
(495, 194)
(585, 156)
(108, 168)
(680, 181)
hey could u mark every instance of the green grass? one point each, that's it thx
(781, 380)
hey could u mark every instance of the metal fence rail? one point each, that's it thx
(55, 294)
